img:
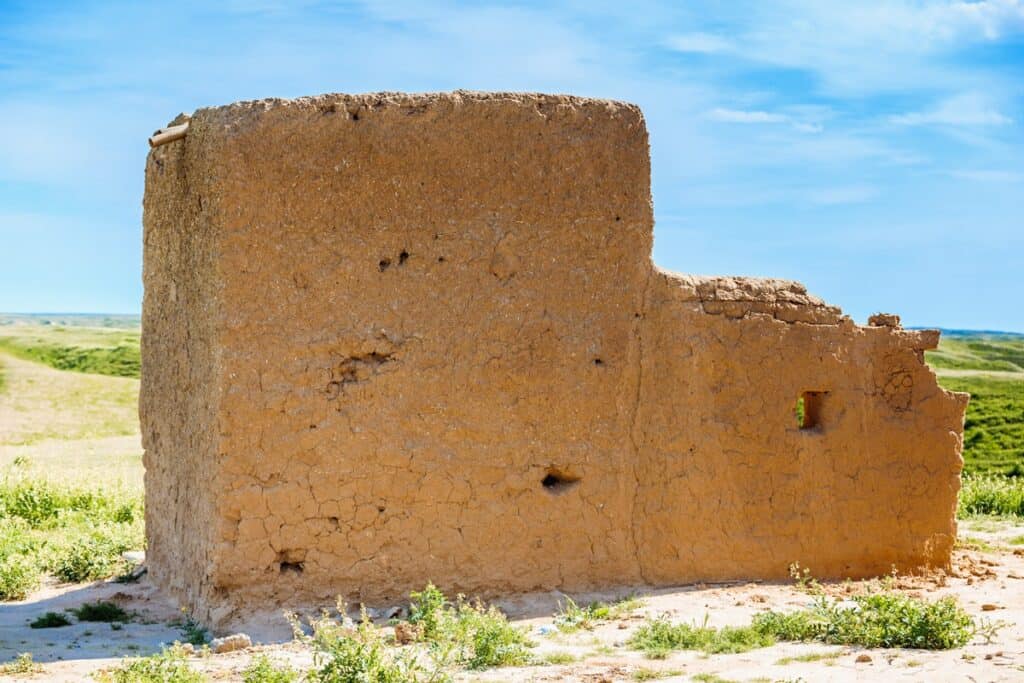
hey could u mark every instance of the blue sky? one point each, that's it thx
(872, 150)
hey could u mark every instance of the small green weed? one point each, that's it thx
(468, 634)
(657, 637)
(356, 654)
(571, 617)
(1016, 540)
(100, 611)
(193, 631)
(262, 670)
(50, 620)
(169, 666)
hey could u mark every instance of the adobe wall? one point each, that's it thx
(391, 339)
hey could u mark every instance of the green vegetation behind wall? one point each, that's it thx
(990, 367)
(101, 351)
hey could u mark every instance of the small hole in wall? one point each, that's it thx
(384, 264)
(403, 257)
(355, 116)
(808, 409)
(598, 361)
(618, 218)
(557, 481)
(295, 567)
(440, 259)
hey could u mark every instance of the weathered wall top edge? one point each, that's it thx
(393, 99)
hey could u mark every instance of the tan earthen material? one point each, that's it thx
(391, 339)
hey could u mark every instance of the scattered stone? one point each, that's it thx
(623, 625)
(989, 607)
(238, 641)
(863, 659)
(406, 633)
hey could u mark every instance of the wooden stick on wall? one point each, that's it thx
(169, 134)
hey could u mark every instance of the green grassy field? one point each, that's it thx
(991, 368)
(90, 344)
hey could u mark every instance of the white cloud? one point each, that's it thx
(989, 176)
(968, 109)
(851, 194)
(859, 47)
(701, 43)
(741, 116)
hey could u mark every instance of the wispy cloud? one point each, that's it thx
(968, 109)
(989, 176)
(701, 43)
(741, 116)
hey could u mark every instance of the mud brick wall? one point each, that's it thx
(391, 339)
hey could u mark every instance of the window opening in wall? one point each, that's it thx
(808, 409)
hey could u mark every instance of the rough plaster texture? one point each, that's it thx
(391, 339)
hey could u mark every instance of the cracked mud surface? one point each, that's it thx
(374, 326)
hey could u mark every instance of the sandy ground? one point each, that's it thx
(992, 579)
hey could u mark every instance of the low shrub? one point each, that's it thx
(94, 552)
(885, 620)
(100, 611)
(19, 576)
(360, 653)
(50, 620)
(21, 665)
(468, 634)
(657, 637)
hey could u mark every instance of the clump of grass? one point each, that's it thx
(101, 611)
(571, 617)
(658, 637)
(465, 633)
(556, 658)
(885, 620)
(20, 665)
(645, 674)
(169, 666)
(810, 657)
(992, 495)
(50, 620)
(262, 670)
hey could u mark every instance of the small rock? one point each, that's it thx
(989, 607)
(623, 625)
(187, 648)
(396, 612)
(406, 633)
(238, 641)
(863, 659)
